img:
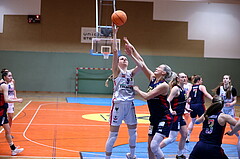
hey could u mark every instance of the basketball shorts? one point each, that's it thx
(197, 110)
(10, 108)
(178, 121)
(163, 128)
(3, 117)
(123, 111)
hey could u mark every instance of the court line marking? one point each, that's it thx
(46, 124)
(19, 112)
(24, 133)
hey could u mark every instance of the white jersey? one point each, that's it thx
(223, 95)
(227, 110)
(123, 87)
(186, 88)
(11, 95)
(11, 90)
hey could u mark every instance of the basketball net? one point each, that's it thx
(106, 50)
(105, 55)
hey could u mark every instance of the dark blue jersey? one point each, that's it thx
(158, 106)
(212, 132)
(197, 96)
(178, 103)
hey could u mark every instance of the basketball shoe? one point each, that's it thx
(16, 151)
(128, 155)
(181, 157)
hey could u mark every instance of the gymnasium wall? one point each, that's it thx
(55, 72)
(61, 23)
(43, 57)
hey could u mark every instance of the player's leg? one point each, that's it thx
(187, 114)
(131, 121)
(193, 116)
(115, 121)
(10, 118)
(112, 137)
(157, 139)
(163, 130)
(14, 149)
(172, 137)
(175, 127)
(181, 145)
(151, 133)
(10, 112)
(132, 132)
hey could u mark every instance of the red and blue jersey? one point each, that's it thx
(178, 103)
(158, 106)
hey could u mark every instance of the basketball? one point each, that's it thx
(119, 17)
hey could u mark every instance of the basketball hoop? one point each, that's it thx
(106, 55)
(106, 50)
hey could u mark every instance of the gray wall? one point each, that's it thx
(55, 72)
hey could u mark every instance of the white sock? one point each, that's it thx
(132, 140)
(132, 152)
(180, 152)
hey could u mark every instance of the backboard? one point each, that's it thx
(103, 45)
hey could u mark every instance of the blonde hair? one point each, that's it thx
(169, 73)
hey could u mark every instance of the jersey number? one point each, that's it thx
(209, 130)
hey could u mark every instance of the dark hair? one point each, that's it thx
(196, 78)
(229, 89)
(215, 107)
(4, 70)
(4, 74)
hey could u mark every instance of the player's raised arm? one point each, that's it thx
(115, 68)
(145, 69)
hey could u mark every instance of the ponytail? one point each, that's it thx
(170, 75)
(109, 78)
(215, 107)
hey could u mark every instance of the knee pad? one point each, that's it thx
(169, 140)
(157, 139)
(132, 137)
(155, 148)
(172, 137)
(111, 140)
